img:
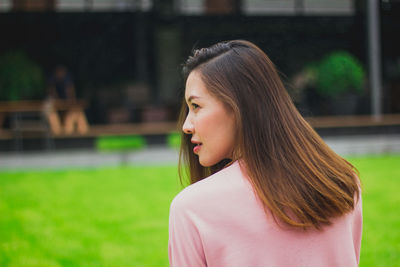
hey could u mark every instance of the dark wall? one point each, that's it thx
(289, 41)
(98, 48)
(390, 25)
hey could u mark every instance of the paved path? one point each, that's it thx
(161, 155)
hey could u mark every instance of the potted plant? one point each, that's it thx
(340, 77)
(20, 78)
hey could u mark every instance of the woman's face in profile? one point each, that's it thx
(209, 122)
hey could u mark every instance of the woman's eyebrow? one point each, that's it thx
(192, 97)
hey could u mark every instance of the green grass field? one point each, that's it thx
(119, 216)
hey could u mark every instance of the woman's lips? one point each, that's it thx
(196, 149)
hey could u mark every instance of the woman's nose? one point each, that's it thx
(187, 127)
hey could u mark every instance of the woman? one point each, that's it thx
(265, 189)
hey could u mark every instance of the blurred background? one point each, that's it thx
(123, 60)
(90, 92)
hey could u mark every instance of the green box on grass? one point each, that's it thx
(118, 143)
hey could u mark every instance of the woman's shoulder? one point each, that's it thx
(210, 189)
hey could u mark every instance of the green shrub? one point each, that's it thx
(20, 78)
(118, 143)
(339, 73)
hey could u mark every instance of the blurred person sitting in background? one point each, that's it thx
(61, 87)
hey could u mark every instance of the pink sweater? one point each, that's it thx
(219, 222)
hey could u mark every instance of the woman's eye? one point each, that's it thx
(195, 106)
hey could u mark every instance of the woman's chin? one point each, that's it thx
(205, 163)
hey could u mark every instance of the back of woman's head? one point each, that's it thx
(294, 173)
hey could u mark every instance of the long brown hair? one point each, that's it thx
(299, 179)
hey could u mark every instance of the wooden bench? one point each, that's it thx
(74, 114)
(354, 121)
